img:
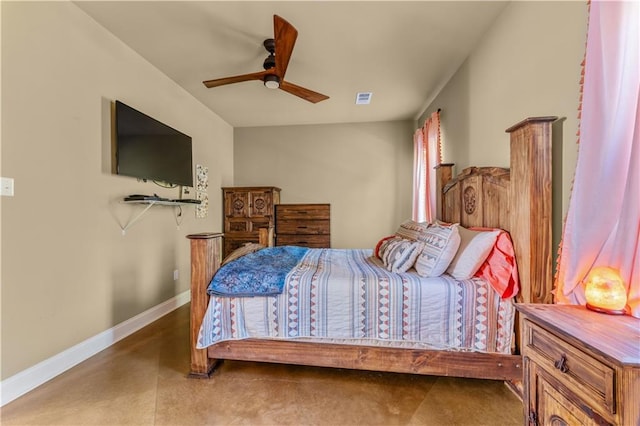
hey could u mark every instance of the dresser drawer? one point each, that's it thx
(306, 227)
(303, 211)
(232, 225)
(314, 241)
(592, 379)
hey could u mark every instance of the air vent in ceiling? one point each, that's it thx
(363, 98)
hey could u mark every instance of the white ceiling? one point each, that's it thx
(403, 52)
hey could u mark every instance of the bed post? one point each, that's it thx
(206, 249)
(444, 173)
(530, 205)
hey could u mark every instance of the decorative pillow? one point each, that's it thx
(474, 248)
(401, 254)
(376, 251)
(385, 245)
(411, 230)
(440, 246)
(241, 251)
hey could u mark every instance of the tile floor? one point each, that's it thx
(142, 381)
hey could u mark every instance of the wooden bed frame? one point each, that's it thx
(516, 199)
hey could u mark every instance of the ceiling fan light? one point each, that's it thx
(272, 81)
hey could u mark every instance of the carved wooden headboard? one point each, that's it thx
(517, 200)
(479, 196)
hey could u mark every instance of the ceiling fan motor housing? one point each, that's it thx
(270, 62)
(270, 45)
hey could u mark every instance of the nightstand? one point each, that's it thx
(580, 367)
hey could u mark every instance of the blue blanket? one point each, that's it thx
(256, 274)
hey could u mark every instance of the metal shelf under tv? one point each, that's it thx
(150, 202)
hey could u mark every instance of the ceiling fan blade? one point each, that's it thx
(235, 79)
(285, 36)
(303, 93)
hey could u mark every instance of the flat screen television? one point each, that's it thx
(150, 150)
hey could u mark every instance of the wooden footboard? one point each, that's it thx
(517, 200)
(206, 250)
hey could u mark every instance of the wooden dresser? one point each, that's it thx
(580, 367)
(247, 209)
(307, 225)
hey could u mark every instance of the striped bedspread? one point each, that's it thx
(347, 296)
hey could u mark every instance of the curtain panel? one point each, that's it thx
(426, 156)
(602, 226)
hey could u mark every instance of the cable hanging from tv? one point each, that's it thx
(164, 184)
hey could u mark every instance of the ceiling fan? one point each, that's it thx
(279, 48)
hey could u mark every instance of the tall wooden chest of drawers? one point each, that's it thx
(580, 367)
(247, 209)
(307, 225)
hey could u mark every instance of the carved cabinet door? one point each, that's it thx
(236, 204)
(260, 203)
(548, 405)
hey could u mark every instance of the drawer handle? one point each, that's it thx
(302, 227)
(561, 364)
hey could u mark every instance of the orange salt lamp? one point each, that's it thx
(605, 291)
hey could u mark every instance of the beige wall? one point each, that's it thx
(363, 170)
(67, 272)
(527, 65)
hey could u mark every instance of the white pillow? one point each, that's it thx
(401, 254)
(474, 248)
(441, 245)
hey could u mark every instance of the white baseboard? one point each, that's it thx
(29, 379)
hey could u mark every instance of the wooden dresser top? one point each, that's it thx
(614, 336)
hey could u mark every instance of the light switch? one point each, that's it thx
(7, 187)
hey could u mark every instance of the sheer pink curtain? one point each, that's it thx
(426, 156)
(603, 222)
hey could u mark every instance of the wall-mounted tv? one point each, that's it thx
(150, 150)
